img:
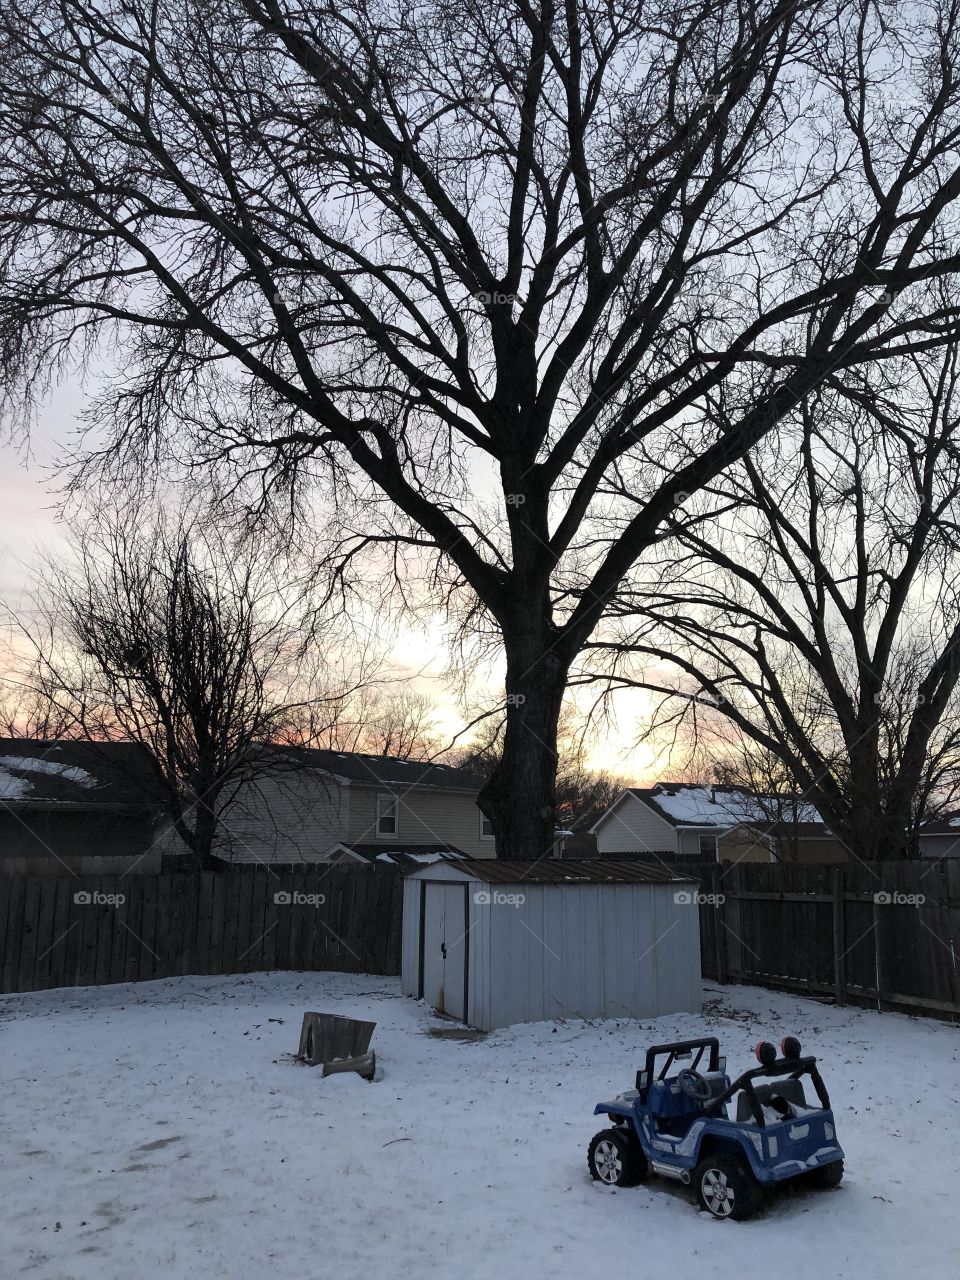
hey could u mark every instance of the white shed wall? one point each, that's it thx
(591, 951)
(410, 939)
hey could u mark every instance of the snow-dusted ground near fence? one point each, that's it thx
(157, 1131)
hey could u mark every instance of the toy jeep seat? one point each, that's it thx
(790, 1090)
(667, 1101)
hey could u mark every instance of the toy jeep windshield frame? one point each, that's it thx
(679, 1050)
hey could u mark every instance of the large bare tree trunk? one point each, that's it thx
(520, 795)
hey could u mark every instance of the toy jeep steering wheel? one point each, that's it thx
(694, 1085)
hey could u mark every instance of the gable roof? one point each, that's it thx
(947, 824)
(37, 772)
(698, 806)
(560, 871)
(387, 771)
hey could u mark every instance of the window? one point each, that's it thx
(708, 846)
(486, 827)
(386, 815)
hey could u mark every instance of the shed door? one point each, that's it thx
(445, 925)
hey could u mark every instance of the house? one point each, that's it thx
(323, 806)
(725, 823)
(497, 942)
(82, 807)
(940, 837)
(96, 807)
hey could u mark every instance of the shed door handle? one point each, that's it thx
(443, 950)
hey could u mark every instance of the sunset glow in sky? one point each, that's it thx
(417, 656)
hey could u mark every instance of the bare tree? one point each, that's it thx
(381, 723)
(812, 602)
(403, 725)
(175, 638)
(500, 280)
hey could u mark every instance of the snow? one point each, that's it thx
(159, 1130)
(32, 764)
(401, 853)
(694, 806)
(12, 787)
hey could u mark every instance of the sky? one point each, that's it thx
(418, 656)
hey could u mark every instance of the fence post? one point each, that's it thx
(839, 933)
(878, 953)
(718, 926)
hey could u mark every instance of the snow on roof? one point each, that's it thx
(694, 805)
(12, 788)
(34, 764)
(404, 855)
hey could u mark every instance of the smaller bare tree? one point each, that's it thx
(204, 652)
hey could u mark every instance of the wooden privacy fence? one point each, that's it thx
(887, 934)
(69, 931)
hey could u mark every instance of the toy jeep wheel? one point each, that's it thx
(726, 1188)
(827, 1176)
(615, 1158)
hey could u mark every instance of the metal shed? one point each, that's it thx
(497, 942)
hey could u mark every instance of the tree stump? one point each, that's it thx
(340, 1044)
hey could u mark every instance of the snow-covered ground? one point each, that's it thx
(157, 1130)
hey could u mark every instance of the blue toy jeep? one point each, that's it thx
(678, 1124)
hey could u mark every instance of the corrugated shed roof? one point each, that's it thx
(566, 871)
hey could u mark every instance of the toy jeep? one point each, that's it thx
(677, 1123)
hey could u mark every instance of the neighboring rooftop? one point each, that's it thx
(37, 771)
(685, 804)
(386, 771)
(82, 774)
(947, 824)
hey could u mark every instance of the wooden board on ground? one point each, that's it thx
(330, 1038)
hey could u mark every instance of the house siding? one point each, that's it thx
(940, 846)
(301, 816)
(632, 827)
(424, 817)
(744, 846)
(292, 817)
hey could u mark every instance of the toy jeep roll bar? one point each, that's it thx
(791, 1065)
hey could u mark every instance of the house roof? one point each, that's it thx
(563, 871)
(406, 856)
(688, 805)
(38, 773)
(946, 825)
(92, 774)
(386, 771)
